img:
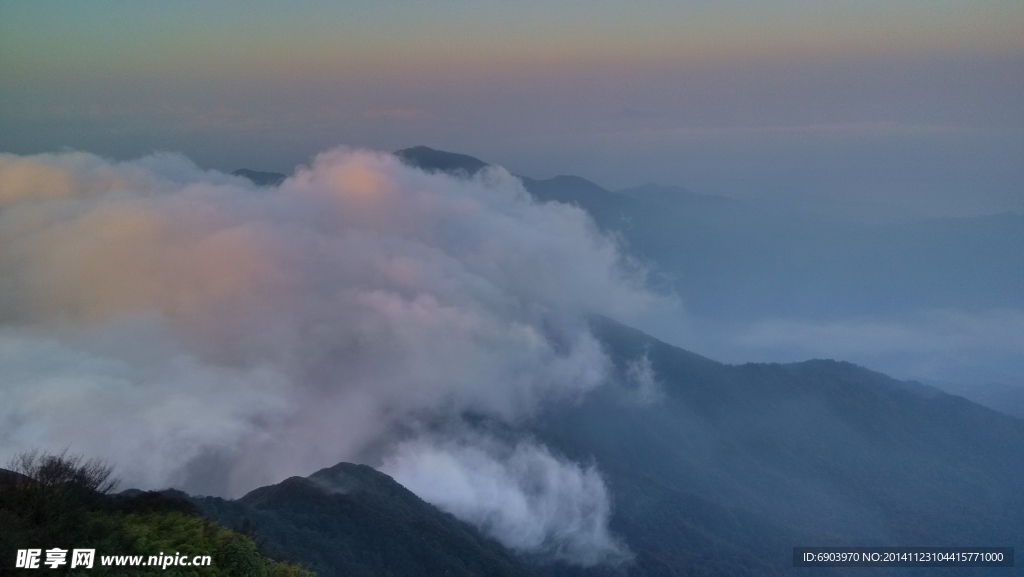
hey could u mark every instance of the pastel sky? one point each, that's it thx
(916, 104)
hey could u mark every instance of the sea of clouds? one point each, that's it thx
(200, 332)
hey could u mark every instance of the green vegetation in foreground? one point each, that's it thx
(62, 501)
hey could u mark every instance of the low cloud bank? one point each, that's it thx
(522, 495)
(202, 333)
(941, 345)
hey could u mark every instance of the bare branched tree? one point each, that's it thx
(65, 470)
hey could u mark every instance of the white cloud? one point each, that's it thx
(522, 495)
(198, 332)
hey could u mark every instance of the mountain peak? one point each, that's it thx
(352, 519)
(432, 160)
(260, 178)
(351, 478)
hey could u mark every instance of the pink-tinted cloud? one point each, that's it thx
(202, 333)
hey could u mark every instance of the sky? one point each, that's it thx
(914, 104)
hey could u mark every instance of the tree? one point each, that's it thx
(64, 471)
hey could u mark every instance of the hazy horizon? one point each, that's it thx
(914, 106)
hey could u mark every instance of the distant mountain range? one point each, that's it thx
(801, 260)
(811, 267)
(723, 473)
(743, 458)
(719, 469)
(564, 188)
(833, 281)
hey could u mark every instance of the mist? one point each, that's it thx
(526, 497)
(201, 333)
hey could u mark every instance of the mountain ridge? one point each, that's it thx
(731, 467)
(765, 279)
(351, 519)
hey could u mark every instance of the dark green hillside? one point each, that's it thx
(43, 510)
